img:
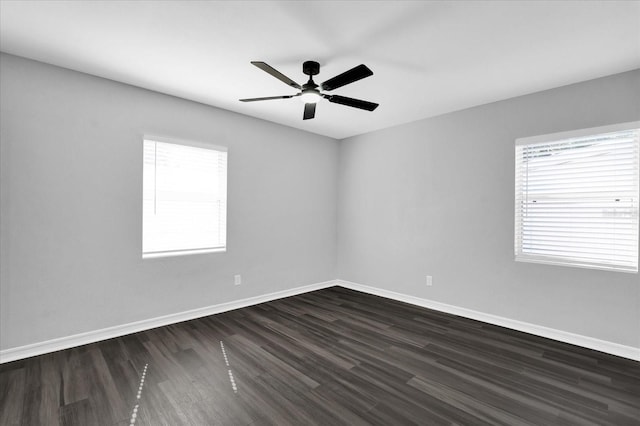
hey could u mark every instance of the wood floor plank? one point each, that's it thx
(78, 413)
(329, 357)
(12, 387)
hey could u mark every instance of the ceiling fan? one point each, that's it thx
(311, 93)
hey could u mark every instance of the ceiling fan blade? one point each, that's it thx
(354, 74)
(309, 111)
(267, 98)
(277, 74)
(356, 103)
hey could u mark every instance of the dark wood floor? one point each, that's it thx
(331, 357)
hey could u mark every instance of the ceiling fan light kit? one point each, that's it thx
(310, 93)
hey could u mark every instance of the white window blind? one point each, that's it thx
(576, 200)
(184, 199)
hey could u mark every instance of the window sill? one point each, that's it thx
(577, 264)
(182, 252)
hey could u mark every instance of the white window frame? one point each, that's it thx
(182, 252)
(520, 255)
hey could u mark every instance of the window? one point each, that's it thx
(576, 200)
(184, 208)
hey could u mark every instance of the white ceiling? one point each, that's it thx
(428, 58)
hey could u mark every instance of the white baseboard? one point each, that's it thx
(551, 333)
(53, 345)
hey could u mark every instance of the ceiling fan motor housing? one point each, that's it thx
(311, 68)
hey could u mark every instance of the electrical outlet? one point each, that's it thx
(237, 280)
(429, 280)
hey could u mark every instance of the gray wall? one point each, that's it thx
(71, 210)
(436, 197)
(431, 197)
